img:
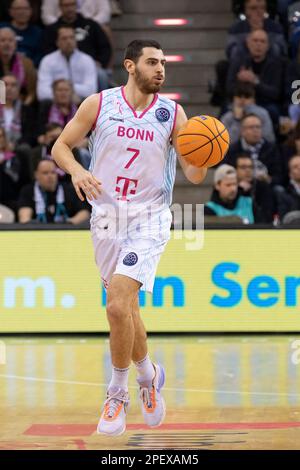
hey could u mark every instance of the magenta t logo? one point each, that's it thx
(127, 186)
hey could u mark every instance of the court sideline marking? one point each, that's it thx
(169, 389)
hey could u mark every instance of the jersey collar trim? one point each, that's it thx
(133, 110)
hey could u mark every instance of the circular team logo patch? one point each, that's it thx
(162, 114)
(131, 259)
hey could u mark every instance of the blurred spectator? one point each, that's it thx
(263, 70)
(290, 201)
(244, 103)
(14, 62)
(14, 173)
(29, 36)
(46, 142)
(290, 148)
(98, 10)
(16, 118)
(48, 201)
(256, 19)
(238, 7)
(226, 200)
(260, 191)
(58, 113)
(90, 38)
(265, 155)
(61, 109)
(35, 5)
(69, 63)
(292, 145)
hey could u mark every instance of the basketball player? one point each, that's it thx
(133, 134)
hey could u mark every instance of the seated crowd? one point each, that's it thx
(259, 97)
(53, 54)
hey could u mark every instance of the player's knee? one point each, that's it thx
(116, 311)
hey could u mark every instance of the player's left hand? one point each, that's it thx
(84, 181)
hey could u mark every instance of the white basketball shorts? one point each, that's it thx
(135, 255)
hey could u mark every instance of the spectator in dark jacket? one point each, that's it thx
(29, 36)
(266, 156)
(259, 67)
(260, 191)
(290, 148)
(256, 17)
(290, 200)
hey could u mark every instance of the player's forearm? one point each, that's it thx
(64, 157)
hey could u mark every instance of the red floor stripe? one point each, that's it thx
(89, 429)
(80, 444)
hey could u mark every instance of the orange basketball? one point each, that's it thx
(203, 141)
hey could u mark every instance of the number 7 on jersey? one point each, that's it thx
(136, 153)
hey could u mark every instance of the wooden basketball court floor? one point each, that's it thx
(222, 392)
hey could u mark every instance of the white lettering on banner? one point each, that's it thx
(29, 287)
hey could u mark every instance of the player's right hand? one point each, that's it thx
(84, 181)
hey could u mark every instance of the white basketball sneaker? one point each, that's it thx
(113, 418)
(153, 404)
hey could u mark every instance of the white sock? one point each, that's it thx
(119, 378)
(145, 369)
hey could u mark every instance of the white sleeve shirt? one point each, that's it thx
(80, 69)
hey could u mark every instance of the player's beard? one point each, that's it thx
(144, 84)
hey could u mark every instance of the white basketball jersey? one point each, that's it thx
(131, 152)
